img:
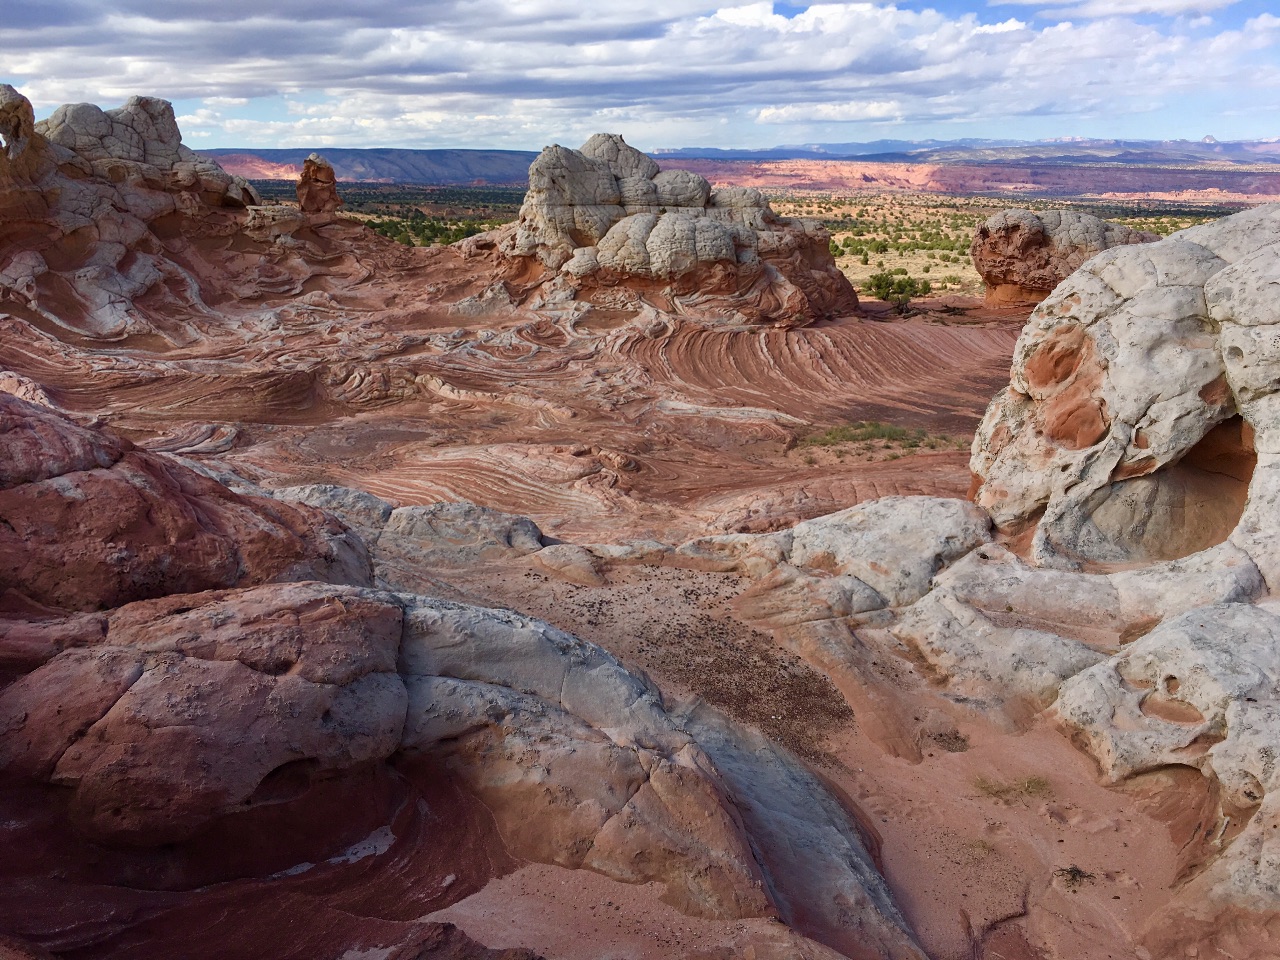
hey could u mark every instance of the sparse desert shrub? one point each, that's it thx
(1074, 877)
(897, 289)
(861, 431)
(1011, 790)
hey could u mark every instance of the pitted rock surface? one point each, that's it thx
(1140, 394)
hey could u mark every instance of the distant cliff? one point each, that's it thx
(383, 165)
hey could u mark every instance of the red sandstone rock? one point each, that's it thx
(317, 186)
(89, 522)
(187, 705)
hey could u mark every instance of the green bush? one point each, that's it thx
(862, 431)
(896, 288)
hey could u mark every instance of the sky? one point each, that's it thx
(520, 74)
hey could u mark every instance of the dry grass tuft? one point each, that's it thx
(1023, 788)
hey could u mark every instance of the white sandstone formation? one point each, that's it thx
(1138, 393)
(605, 216)
(83, 190)
(1132, 471)
(1136, 454)
(140, 144)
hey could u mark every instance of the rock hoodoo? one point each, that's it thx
(609, 222)
(1022, 255)
(318, 186)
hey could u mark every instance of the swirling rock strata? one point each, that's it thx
(87, 194)
(158, 723)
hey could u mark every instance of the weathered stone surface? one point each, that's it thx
(168, 529)
(318, 186)
(17, 121)
(362, 512)
(624, 161)
(204, 698)
(882, 553)
(142, 132)
(1129, 403)
(1208, 675)
(1140, 425)
(617, 796)
(1198, 691)
(605, 215)
(1022, 255)
(84, 189)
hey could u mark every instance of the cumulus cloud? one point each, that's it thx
(522, 73)
(1122, 8)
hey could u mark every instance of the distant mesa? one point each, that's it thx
(1022, 255)
(382, 164)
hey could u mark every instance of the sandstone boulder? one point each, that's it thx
(1022, 255)
(186, 707)
(140, 143)
(624, 161)
(880, 553)
(1008, 634)
(409, 545)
